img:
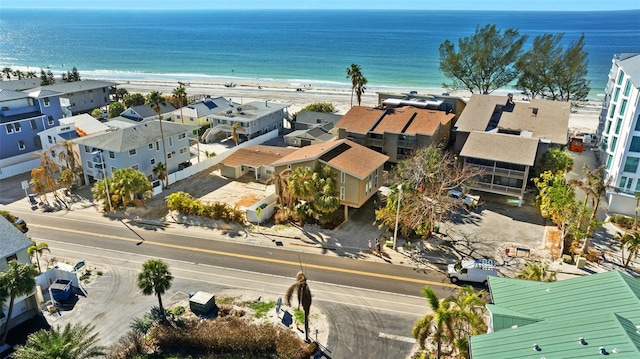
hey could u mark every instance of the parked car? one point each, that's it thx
(21, 224)
(476, 271)
(468, 200)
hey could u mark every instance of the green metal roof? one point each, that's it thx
(602, 308)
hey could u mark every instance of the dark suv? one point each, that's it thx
(21, 224)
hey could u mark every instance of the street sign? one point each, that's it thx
(25, 184)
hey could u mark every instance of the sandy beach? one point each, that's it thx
(297, 96)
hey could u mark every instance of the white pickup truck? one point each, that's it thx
(476, 271)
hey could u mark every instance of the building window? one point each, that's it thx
(170, 142)
(620, 77)
(618, 126)
(343, 177)
(631, 165)
(13, 257)
(638, 186)
(89, 164)
(49, 139)
(112, 154)
(87, 149)
(50, 120)
(46, 102)
(182, 135)
(183, 150)
(609, 160)
(21, 145)
(614, 142)
(342, 193)
(153, 161)
(37, 142)
(157, 146)
(623, 182)
(9, 128)
(375, 180)
(627, 88)
(151, 146)
(613, 111)
(635, 144)
(169, 155)
(113, 169)
(638, 123)
(617, 94)
(135, 167)
(33, 124)
(623, 107)
(132, 152)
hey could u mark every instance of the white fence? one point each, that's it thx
(19, 168)
(268, 205)
(211, 161)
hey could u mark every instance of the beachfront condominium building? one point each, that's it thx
(396, 132)
(22, 116)
(197, 113)
(83, 96)
(253, 119)
(139, 147)
(619, 133)
(507, 138)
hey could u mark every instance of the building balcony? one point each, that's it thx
(406, 144)
(497, 189)
(499, 171)
(374, 142)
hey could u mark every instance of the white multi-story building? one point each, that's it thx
(619, 133)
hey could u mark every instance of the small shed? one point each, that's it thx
(202, 302)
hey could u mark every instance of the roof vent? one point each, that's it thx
(615, 351)
(582, 341)
(603, 351)
(536, 347)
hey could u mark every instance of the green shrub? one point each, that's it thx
(260, 309)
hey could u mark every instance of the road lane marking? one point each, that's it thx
(397, 337)
(254, 258)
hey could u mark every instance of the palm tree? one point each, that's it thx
(7, 72)
(301, 184)
(126, 187)
(354, 73)
(73, 342)
(632, 243)
(120, 94)
(31, 75)
(281, 183)
(37, 249)
(19, 74)
(635, 217)
(439, 323)
(160, 171)
(325, 200)
(594, 186)
(69, 159)
(180, 98)
(301, 288)
(469, 308)
(360, 87)
(537, 272)
(234, 132)
(156, 100)
(155, 278)
(18, 279)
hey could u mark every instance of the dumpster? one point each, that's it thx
(60, 290)
(202, 303)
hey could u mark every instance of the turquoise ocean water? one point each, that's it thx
(394, 48)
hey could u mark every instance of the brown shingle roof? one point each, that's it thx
(550, 120)
(352, 158)
(359, 119)
(406, 120)
(501, 147)
(257, 156)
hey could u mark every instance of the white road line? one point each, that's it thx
(397, 337)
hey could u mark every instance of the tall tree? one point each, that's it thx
(115, 109)
(120, 94)
(155, 278)
(630, 241)
(556, 160)
(301, 289)
(133, 99)
(281, 184)
(425, 179)
(6, 72)
(594, 187)
(50, 78)
(19, 74)
(31, 75)
(17, 280)
(538, 272)
(75, 341)
(548, 71)
(156, 101)
(160, 171)
(44, 178)
(354, 72)
(360, 87)
(439, 323)
(36, 250)
(234, 132)
(484, 61)
(179, 96)
(469, 309)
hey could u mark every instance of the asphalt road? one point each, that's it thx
(371, 306)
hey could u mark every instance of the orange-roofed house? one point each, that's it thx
(396, 132)
(357, 170)
(255, 160)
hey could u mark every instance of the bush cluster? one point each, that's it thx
(185, 204)
(232, 335)
(622, 221)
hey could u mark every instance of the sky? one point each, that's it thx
(476, 5)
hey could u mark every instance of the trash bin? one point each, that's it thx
(32, 198)
(581, 262)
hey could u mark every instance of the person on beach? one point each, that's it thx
(378, 248)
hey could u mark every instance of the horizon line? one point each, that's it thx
(302, 9)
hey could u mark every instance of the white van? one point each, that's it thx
(476, 271)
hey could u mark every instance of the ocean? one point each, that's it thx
(394, 48)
